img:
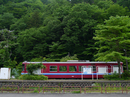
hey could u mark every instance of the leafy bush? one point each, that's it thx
(113, 76)
(33, 67)
(15, 73)
(125, 75)
(19, 68)
(33, 77)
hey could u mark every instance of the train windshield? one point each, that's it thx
(23, 67)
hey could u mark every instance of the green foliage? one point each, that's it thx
(11, 63)
(6, 45)
(79, 29)
(110, 37)
(57, 51)
(17, 9)
(124, 3)
(35, 91)
(75, 91)
(116, 9)
(63, 68)
(19, 67)
(6, 20)
(15, 73)
(103, 3)
(114, 76)
(32, 67)
(76, 1)
(32, 44)
(2, 55)
(33, 77)
(39, 59)
(126, 75)
(64, 59)
(72, 68)
(34, 20)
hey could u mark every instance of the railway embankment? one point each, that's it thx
(63, 83)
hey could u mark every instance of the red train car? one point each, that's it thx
(75, 69)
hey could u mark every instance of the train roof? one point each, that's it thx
(71, 62)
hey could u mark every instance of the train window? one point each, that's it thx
(53, 68)
(116, 68)
(72, 68)
(23, 67)
(81, 67)
(63, 68)
(94, 68)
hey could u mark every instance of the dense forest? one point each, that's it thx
(52, 29)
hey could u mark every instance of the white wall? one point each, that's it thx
(5, 73)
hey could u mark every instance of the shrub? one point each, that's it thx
(33, 77)
(15, 72)
(113, 76)
(125, 75)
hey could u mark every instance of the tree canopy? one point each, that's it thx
(113, 38)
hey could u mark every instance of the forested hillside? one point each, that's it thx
(52, 29)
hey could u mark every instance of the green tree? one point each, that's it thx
(6, 44)
(116, 9)
(39, 59)
(32, 43)
(79, 29)
(32, 67)
(17, 9)
(124, 3)
(76, 1)
(64, 59)
(56, 51)
(18, 26)
(6, 20)
(111, 36)
(103, 3)
(44, 1)
(34, 20)
(11, 63)
(2, 56)
(2, 9)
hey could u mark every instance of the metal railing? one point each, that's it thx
(65, 89)
(51, 88)
(72, 89)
